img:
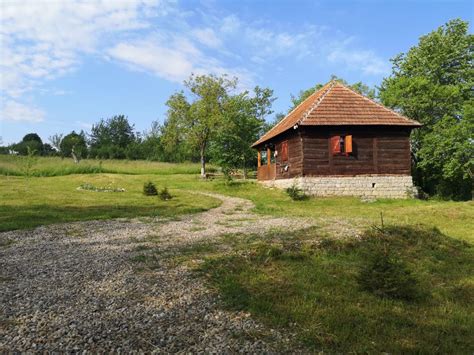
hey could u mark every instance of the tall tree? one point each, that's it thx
(74, 145)
(31, 142)
(198, 120)
(244, 117)
(55, 140)
(109, 138)
(432, 83)
(174, 141)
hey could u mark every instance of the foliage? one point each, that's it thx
(110, 138)
(32, 137)
(55, 140)
(244, 116)
(270, 124)
(165, 194)
(197, 122)
(149, 189)
(432, 83)
(295, 193)
(30, 143)
(386, 275)
(28, 163)
(74, 145)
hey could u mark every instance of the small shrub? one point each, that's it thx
(149, 189)
(165, 195)
(387, 276)
(295, 193)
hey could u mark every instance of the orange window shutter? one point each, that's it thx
(335, 145)
(284, 151)
(348, 144)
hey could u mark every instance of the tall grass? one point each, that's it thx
(55, 166)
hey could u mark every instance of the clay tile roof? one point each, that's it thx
(334, 105)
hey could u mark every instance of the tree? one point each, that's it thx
(109, 138)
(174, 141)
(198, 121)
(359, 87)
(74, 145)
(432, 83)
(270, 124)
(244, 117)
(55, 141)
(30, 142)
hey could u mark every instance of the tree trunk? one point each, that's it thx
(76, 160)
(203, 163)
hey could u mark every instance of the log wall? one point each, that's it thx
(376, 150)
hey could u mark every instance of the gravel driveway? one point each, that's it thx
(74, 287)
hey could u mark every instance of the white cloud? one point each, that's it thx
(43, 40)
(363, 60)
(207, 36)
(173, 58)
(169, 63)
(17, 112)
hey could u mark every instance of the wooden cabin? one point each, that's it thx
(339, 142)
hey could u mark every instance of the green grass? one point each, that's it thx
(27, 203)
(290, 282)
(55, 166)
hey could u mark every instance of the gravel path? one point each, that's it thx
(74, 287)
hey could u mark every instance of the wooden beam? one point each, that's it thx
(259, 158)
(269, 159)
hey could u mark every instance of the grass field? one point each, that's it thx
(304, 281)
(55, 166)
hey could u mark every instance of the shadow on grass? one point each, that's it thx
(310, 286)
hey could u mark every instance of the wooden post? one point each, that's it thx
(269, 159)
(259, 158)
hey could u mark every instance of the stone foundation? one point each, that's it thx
(377, 186)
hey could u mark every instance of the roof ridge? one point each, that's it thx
(315, 104)
(377, 103)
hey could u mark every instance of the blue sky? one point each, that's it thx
(66, 64)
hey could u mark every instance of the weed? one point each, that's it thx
(149, 189)
(296, 193)
(386, 275)
(164, 194)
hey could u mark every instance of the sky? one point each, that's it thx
(64, 64)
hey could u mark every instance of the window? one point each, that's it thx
(284, 151)
(341, 145)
